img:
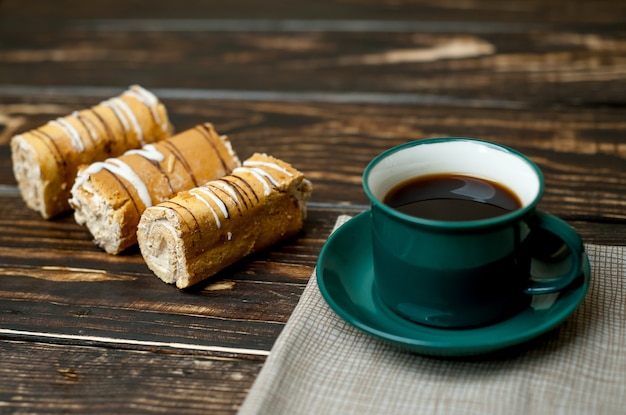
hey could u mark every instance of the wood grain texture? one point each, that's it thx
(55, 280)
(50, 378)
(582, 153)
(552, 66)
(324, 85)
(600, 11)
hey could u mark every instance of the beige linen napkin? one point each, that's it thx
(322, 365)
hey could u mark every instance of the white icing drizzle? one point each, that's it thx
(253, 163)
(81, 178)
(149, 152)
(194, 193)
(266, 187)
(228, 189)
(121, 169)
(208, 192)
(265, 174)
(92, 133)
(117, 112)
(131, 116)
(149, 100)
(70, 131)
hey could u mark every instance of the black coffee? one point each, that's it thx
(452, 197)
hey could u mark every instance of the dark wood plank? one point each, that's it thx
(48, 378)
(456, 10)
(549, 67)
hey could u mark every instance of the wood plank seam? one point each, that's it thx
(109, 341)
(293, 25)
(9, 90)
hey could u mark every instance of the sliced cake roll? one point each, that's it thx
(46, 159)
(110, 196)
(201, 231)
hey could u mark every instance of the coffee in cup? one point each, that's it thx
(453, 224)
(452, 197)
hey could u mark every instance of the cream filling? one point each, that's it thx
(27, 172)
(161, 246)
(94, 211)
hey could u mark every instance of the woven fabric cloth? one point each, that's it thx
(322, 365)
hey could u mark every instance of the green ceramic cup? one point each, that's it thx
(458, 274)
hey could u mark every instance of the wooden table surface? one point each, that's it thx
(325, 85)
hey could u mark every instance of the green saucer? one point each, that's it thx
(346, 280)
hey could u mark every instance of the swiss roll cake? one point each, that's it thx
(109, 196)
(46, 159)
(199, 232)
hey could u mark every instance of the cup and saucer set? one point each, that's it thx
(451, 281)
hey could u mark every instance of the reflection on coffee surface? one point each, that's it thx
(452, 197)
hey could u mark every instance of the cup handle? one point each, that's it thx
(556, 226)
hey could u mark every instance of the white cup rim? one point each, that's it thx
(526, 173)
